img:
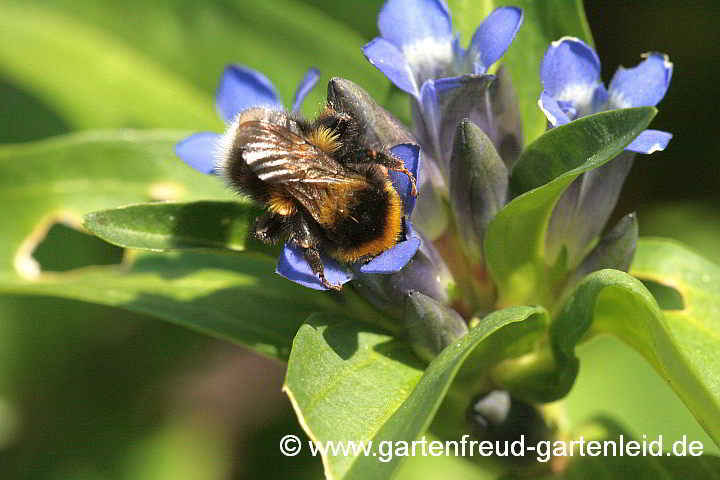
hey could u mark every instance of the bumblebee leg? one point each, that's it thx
(312, 255)
(269, 228)
(306, 236)
(388, 162)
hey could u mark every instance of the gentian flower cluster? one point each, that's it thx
(468, 126)
(242, 88)
(503, 245)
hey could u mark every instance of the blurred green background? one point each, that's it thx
(88, 392)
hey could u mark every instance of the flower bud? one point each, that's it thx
(380, 128)
(478, 185)
(430, 326)
(426, 273)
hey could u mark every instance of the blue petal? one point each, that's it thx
(457, 48)
(198, 151)
(386, 57)
(552, 110)
(393, 260)
(650, 141)
(410, 155)
(409, 22)
(306, 84)
(428, 100)
(447, 84)
(241, 88)
(600, 98)
(494, 35)
(293, 266)
(570, 71)
(642, 85)
(426, 122)
(422, 31)
(430, 110)
(568, 108)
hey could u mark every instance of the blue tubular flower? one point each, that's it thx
(418, 52)
(417, 43)
(570, 73)
(293, 266)
(242, 88)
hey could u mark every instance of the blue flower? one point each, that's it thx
(570, 73)
(417, 43)
(419, 53)
(242, 88)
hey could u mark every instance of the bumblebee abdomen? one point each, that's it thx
(368, 224)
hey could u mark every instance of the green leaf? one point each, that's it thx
(178, 226)
(686, 221)
(615, 380)
(138, 63)
(348, 381)
(515, 240)
(427, 467)
(64, 178)
(233, 297)
(543, 23)
(695, 330)
(681, 345)
(588, 140)
(493, 364)
(92, 79)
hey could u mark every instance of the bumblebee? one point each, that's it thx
(323, 189)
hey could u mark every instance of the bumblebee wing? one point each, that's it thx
(277, 155)
(280, 157)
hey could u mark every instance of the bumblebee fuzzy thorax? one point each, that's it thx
(325, 139)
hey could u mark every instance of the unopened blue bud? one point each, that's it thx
(478, 185)
(380, 128)
(430, 326)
